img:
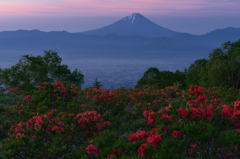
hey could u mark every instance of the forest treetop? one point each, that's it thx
(31, 70)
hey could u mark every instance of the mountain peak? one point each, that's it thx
(133, 25)
(133, 18)
(135, 15)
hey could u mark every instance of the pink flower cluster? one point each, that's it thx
(92, 150)
(59, 87)
(149, 138)
(114, 153)
(27, 98)
(232, 113)
(90, 122)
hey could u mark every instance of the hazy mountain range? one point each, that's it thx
(119, 53)
(130, 36)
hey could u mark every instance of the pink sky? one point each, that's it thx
(117, 7)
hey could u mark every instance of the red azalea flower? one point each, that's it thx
(209, 114)
(92, 149)
(176, 133)
(142, 149)
(64, 92)
(238, 130)
(194, 146)
(196, 113)
(138, 135)
(182, 112)
(57, 128)
(150, 120)
(114, 152)
(107, 123)
(227, 111)
(236, 104)
(13, 90)
(236, 115)
(154, 139)
(165, 116)
(19, 135)
(27, 98)
(58, 84)
(192, 102)
(215, 100)
(83, 106)
(60, 123)
(195, 90)
(201, 99)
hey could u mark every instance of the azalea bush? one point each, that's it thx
(58, 120)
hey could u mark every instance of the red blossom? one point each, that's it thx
(27, 98)
(154, 139)
(107, 123)
(57, 129)
(64, 92)
(238, 130)
(215, 101)
(165, 117)
(19, 135)
(176, 133)
(14, 90)
(150, 120)
(192, 102)
(114, 153)
(183, 112)
(195, 90)
(142, 149)
(196, 113)
(138, 135)
(236, 115)
(226, 111)
(58, 84)
(194, 146)
(201, 99)
(236, 104)
(92, 149)
(209, 114)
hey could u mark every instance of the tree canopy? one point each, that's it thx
(221, 69)
(160, 79)
(31, 70)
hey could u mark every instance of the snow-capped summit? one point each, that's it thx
(133, 17)
(133, 25)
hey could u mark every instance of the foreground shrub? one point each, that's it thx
(58, 120)
(58, 133)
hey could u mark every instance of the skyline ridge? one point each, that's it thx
(129, 18)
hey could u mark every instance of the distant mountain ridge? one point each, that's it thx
(133, 25)
(131, 36)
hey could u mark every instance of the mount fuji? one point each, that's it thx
(128, 47)
(134, 25)
(131, 36)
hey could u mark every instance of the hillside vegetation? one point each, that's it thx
(221, 69)
(57, 120)
(45, 114)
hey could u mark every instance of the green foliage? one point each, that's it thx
(197, 73)
(221, 69)
(97, 84)
(160, 79)
(57, 120)
(31, 70)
